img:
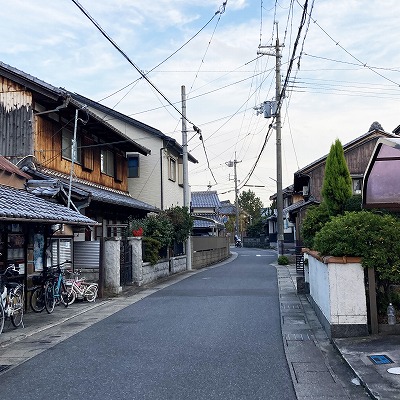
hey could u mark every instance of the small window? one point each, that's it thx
(133, 166)
(172, 169)
(87, 153)
(107, 162)
(66, 151)
(357, 185)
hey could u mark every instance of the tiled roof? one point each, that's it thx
(207, 221)
(205, 199)
(227, 208)
(98, 192)
(18, 205)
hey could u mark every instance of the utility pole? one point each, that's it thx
(233, 164)
(186, 192)
(278, 126)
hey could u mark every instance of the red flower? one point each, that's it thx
(137, 232)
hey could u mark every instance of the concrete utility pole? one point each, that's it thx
(278, 125)
(186, 190)
(233, 164)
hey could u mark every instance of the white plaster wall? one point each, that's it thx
(347, 294)
(147, 187)
(319, 285)
(338, 290)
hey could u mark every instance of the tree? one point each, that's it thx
(336, 189)
(182, 222)
(251, 204)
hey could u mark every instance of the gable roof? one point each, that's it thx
(31, 82)
(170, 142)
(17, 205)
(54, 94)
(206, 199)
(371, 135)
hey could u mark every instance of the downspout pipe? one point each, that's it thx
(161, 180)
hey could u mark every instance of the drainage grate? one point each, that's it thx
(380, 359)
(4, 367)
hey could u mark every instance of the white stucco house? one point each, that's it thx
(156, 179)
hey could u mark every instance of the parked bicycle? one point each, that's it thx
(36, 300)
(11, 298)
(55, 290)
(78, 288)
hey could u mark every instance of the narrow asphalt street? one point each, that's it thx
(214, 335)
(235, 330)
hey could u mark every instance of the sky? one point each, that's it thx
(343, 56)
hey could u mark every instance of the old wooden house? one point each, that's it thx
(30, 225)
(308, 181)
(73, 156)
(163, 168)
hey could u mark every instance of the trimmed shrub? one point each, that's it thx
(315, 219)
(283, 260)
(151, 249)
(373, 237)
(354, 203)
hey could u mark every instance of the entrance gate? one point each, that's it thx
(125, 263)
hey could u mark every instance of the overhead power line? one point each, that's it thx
(220, 11)
(143, 75)
(365, 65)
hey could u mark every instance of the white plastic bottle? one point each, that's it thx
(391, 314)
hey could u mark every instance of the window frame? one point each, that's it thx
(172, 169)
(134, 168)
(356, 180)
(66, 152)
(107, 165)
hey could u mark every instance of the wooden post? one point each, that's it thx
(372, 301)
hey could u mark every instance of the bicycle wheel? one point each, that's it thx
(68, 295)
(49, 299)
(37, 299)
(17, 304)
(2, 316)
(91, 293)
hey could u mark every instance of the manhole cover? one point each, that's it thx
(380, 359)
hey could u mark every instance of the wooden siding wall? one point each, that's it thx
(15, 120)
(357, 159)
(48, 152)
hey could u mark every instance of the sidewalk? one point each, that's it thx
(356, 352)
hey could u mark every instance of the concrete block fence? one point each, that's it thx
(210, 252)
